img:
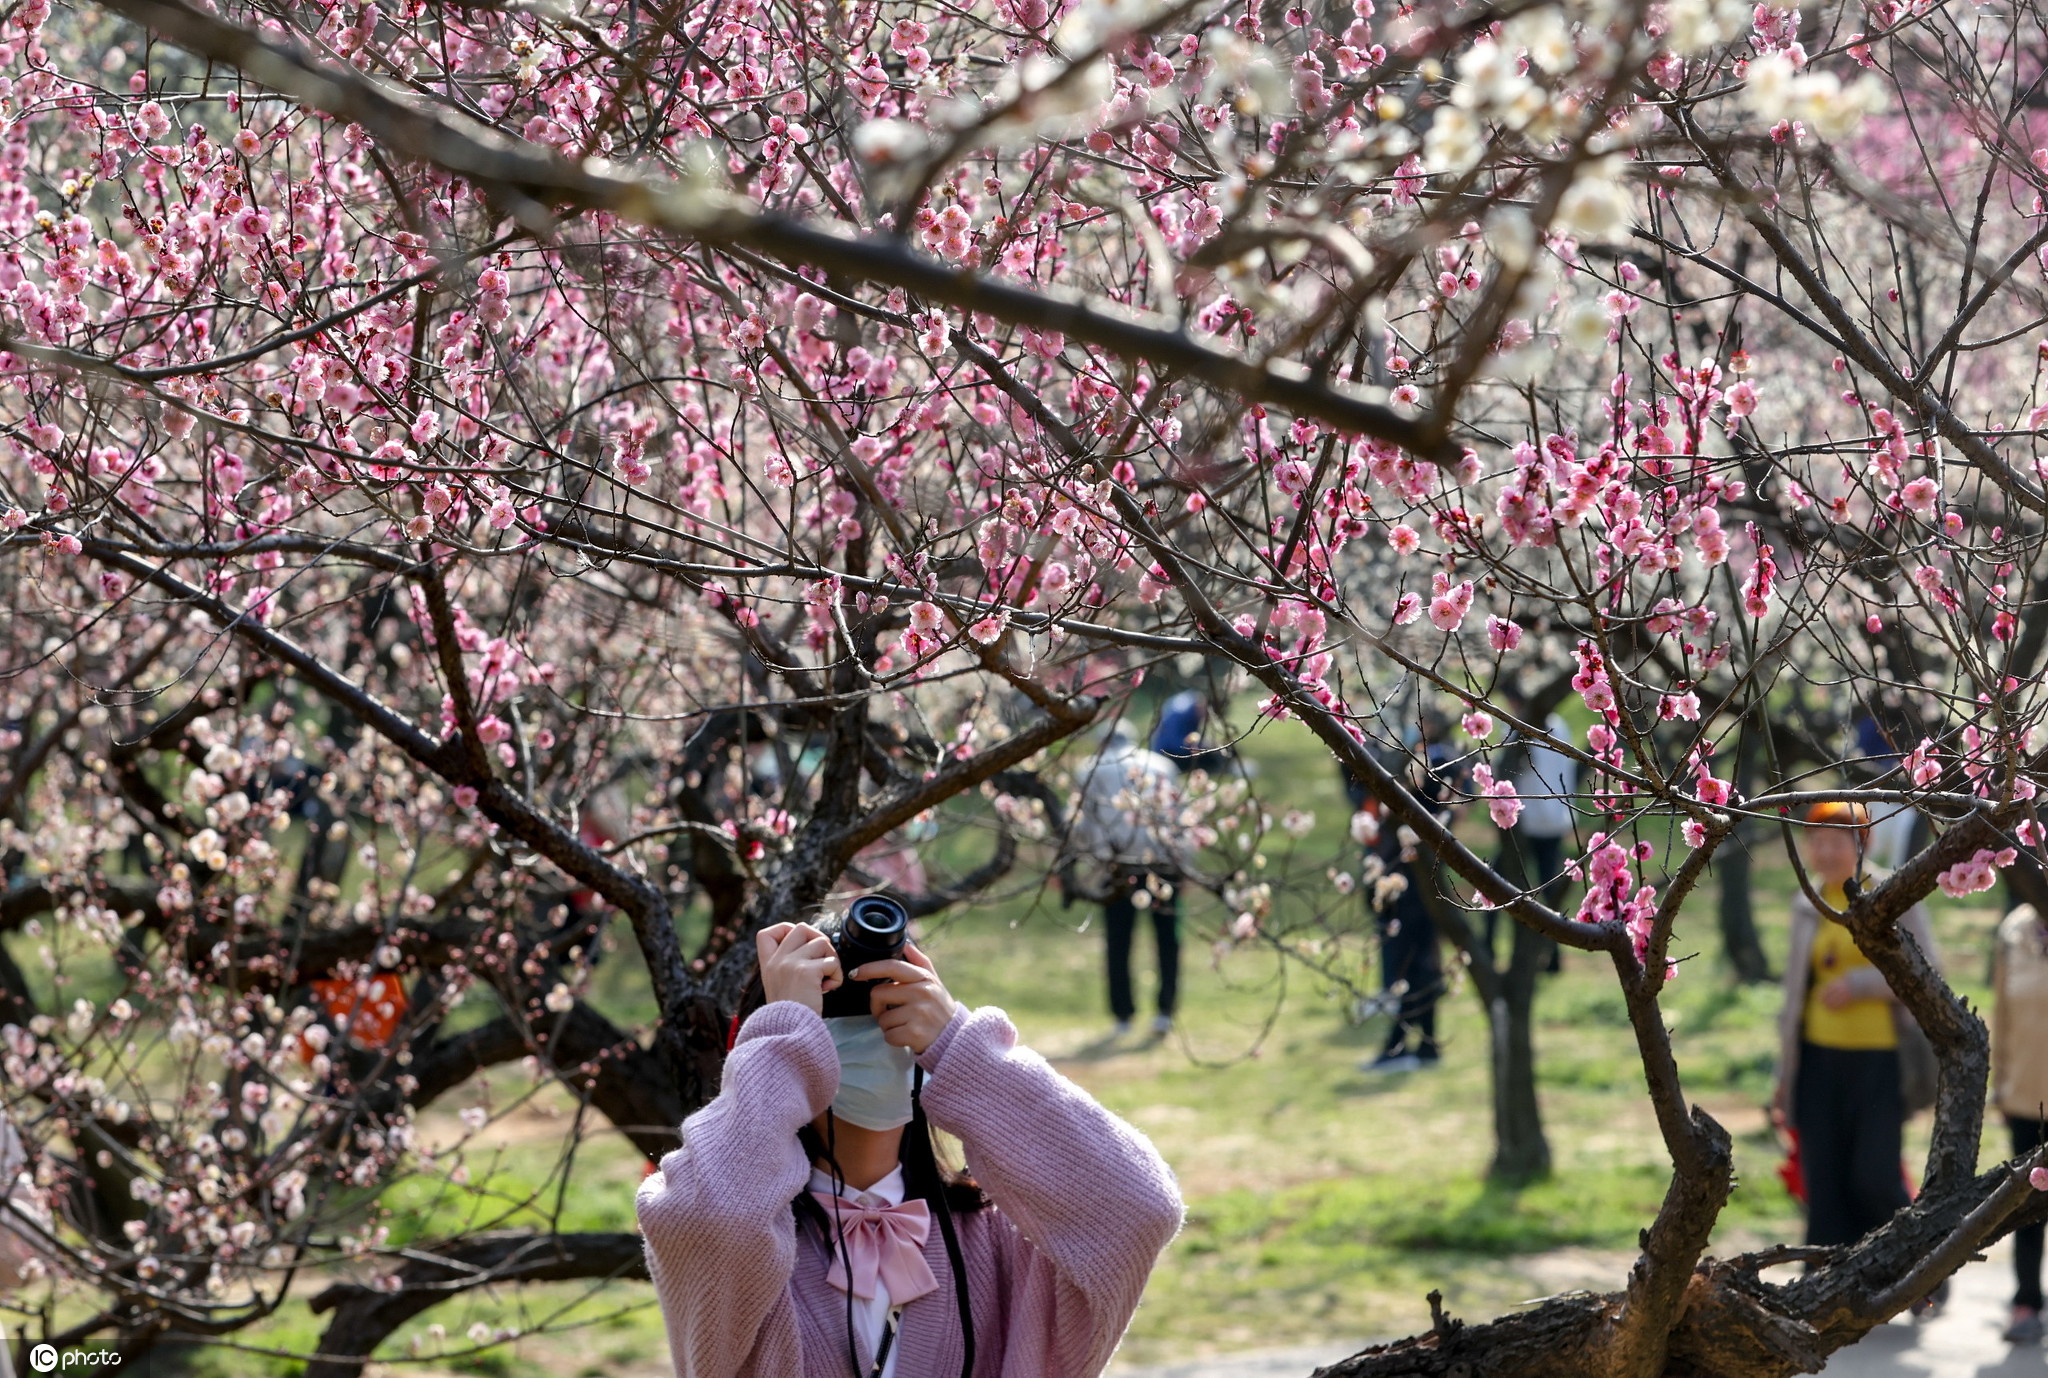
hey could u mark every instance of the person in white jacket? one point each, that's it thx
(1125, 818)
(1532, 852)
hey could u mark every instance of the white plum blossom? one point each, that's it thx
(1768, 82)
(886, 142)
(1454, 142)
(1547, 38)
(1585, 327)
(1832, 109)
(1597, 207)
(1695, 25)
(1778, 89)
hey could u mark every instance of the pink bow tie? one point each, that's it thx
(885, 1243)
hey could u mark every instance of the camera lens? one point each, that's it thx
(874, 930)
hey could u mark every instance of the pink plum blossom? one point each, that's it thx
(1450, 603)
(1978, 872)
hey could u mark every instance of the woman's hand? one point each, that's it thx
(1863, 983)
(911, 1004)
(798, 963)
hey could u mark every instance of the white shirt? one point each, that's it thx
(1546, 784)
(870, 1314)
(1124, 813)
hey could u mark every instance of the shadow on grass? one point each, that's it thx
(1109, 1046)
(1346, 1034)
(1372, 1085)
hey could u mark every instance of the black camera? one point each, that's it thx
(872, 931)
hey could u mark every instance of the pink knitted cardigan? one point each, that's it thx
(1083, 1206)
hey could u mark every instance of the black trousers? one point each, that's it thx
(1120, 924)
(2026, 1243)
(1409, 959)
(1851, 1118)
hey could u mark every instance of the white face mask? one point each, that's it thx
(874, 1078)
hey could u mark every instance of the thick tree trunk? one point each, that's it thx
(1521, 1152)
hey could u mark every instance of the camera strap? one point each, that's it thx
(888, 1341)
(953, 1256)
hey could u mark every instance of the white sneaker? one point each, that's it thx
(1162, 1025)
(1121, 1029)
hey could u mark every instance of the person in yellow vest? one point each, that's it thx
(2019, 1059)
(1839, 1082)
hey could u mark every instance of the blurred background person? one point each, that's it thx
(1840, 1081)
(2019, 1059)
(1123, 819)
(1891, 832)
(1179, 736)
(1532, 852)
(1411, 962)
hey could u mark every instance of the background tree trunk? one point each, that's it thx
(1521, 1151)
(1740, 944)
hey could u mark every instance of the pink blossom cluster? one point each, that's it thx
(1978, 872)
(1503, 805)
(1612, 895)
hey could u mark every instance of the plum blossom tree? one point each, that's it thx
(472, 470)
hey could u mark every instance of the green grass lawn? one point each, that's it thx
(1324, 1203)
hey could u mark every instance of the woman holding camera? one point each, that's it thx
(805, 1230)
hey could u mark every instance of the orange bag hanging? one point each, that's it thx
(373, 1016)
